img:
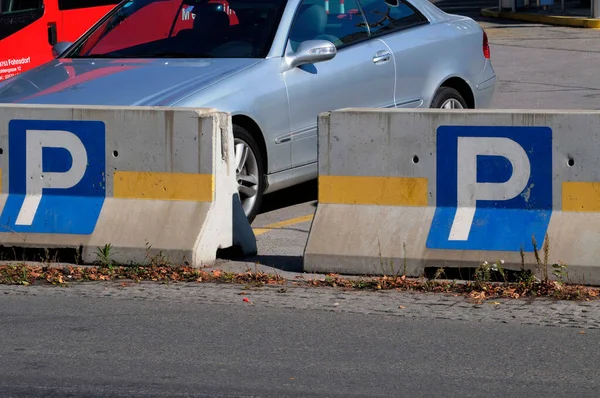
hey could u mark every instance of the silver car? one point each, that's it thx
(274, 64)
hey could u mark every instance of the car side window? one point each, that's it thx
(385, 16)
(339, 21)
(18, 14)
(7, 7)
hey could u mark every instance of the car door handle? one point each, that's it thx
(381, 57)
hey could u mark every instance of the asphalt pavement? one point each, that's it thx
(202, 340)
(470, 8)
(538, 67)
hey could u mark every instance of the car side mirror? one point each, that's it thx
(60, 48)
(310, 52)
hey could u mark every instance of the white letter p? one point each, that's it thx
(469, 191)
(37, 180)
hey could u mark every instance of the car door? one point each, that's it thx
(362, 73)
(405, 31)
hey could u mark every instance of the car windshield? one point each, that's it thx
(183, 29)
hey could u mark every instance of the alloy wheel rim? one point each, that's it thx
(452, 103)
(246, 168)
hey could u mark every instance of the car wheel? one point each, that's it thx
(249, 171)
(448, 98)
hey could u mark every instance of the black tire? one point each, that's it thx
(240, 133)
(444, 94)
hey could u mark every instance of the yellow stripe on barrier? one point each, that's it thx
(387, 191)
(163, 186)
(581, 196)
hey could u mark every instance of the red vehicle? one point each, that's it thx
(29, 29)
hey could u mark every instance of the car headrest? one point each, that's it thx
(311, 22)
(210, 18)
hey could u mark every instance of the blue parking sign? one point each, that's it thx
(56, 175)
(494, 187)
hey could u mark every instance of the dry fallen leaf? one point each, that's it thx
(246, 300)
(582, 332)
(400, 306)
(477, 295)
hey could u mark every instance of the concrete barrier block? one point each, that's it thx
(146, 180)
(409, 189)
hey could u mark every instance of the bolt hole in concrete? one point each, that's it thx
(415, 159)
(115, 153)
(571, 162)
